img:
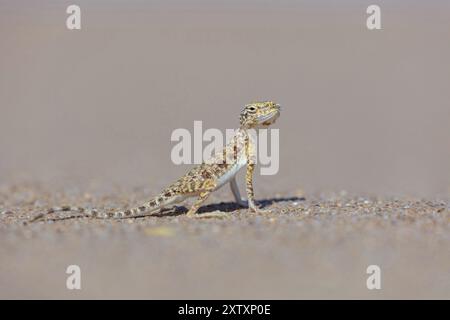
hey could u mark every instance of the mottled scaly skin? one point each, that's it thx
(207, 177)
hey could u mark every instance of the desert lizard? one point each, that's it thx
(209, 176)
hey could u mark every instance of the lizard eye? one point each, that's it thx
(252, 108)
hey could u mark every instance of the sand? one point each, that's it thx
(308, 246)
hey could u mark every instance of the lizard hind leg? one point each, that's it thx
(207, 187)
(202, 197)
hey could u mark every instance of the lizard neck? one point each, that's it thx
(248, 130)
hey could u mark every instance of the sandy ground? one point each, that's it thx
(308, 246)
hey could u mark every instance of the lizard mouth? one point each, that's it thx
(269, 119)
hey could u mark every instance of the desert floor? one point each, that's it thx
(308, 246)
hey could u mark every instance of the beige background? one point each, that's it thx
(86, 118)
(363, 110)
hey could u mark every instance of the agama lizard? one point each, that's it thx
(209, 176)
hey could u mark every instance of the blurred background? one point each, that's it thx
(85, 112)
(365, 111)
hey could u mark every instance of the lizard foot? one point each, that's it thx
(256, 210)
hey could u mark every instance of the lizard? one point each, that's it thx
(209, 176)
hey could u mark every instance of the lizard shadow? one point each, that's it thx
(224, 206)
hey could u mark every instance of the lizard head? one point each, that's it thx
(259, 114)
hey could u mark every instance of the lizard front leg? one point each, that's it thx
(250, 193)
(250, 155)
(249, 187)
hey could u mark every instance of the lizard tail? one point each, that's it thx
(149, 207)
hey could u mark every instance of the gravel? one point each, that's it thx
(307, 246)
